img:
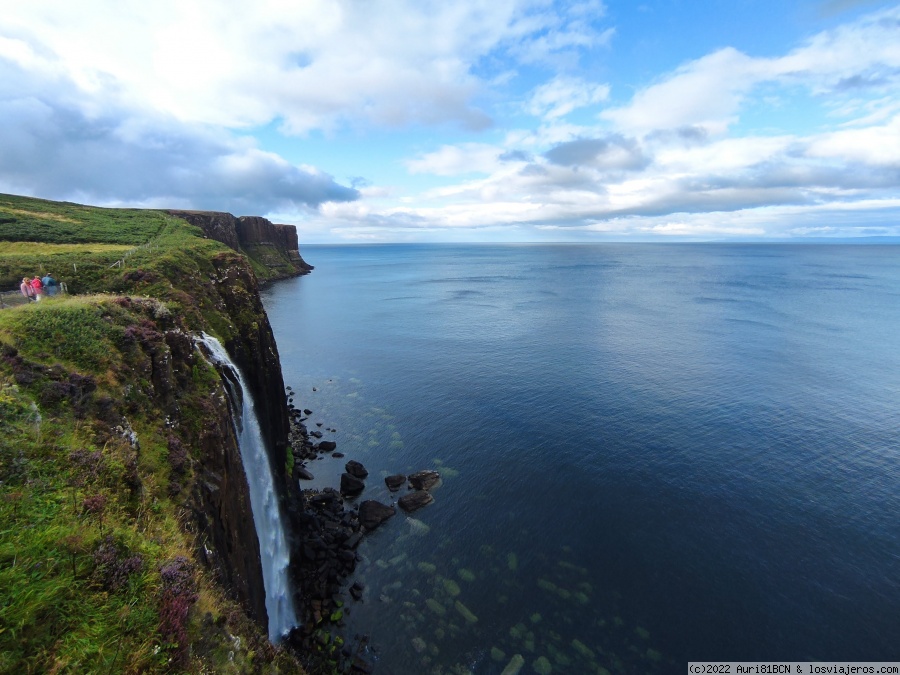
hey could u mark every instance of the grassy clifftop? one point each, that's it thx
(108, 416)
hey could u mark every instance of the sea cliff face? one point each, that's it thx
(272, 246)
(136, 442)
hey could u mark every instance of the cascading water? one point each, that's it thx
(273, 549)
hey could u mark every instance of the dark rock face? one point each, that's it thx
(351, 485)
(415, 500)
(327, 446)
(216, 225)
(220, 502)
(396, 482)
(354, 468)
(254, 350)
(424, 480)
(372, 513)
(275, 246)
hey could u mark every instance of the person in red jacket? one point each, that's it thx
(38, 288)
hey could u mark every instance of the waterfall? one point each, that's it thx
(273, 549)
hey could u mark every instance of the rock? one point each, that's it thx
(411, 502)
(419, 645)
(351, 485)
(372, 513)
(465, 575)
(542, 666)
(318, 424)
(327, 446)
(424, 480)
(417, 527)
(435, 606)
(465, 612)
(338, 454)
(395, 482)
(356, 590)
(316, 434)
(497, 654)
(307, 411)
(354, 468)
(514, 666)
(354, 540)
(302, 473)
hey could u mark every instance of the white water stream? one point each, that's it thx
(273, 549)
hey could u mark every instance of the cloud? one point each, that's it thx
(562, 95)
(58, 146)
(613, 152)
(708, 93)
(312, 64)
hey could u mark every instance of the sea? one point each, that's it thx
(650, 454)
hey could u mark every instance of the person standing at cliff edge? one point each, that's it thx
(50, 285)
(26, 289)
(38, 288)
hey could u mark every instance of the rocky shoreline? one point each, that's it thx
(329, 525)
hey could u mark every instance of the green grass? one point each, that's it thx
(37, 220)
(71, 369)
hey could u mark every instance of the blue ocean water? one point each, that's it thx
(651, 454)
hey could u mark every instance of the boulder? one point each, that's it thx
(354, 468)
(351, 485)
(327, 446)
(414, 500)
(424, 480)
(395, 482)
(303, 473)
(372, 513)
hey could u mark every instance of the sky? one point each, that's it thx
(464, 120)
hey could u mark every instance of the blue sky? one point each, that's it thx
(459, 120)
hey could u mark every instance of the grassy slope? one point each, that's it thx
(91, 528)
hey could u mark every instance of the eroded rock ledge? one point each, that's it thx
(268, 244)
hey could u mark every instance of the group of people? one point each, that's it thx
(34, 289)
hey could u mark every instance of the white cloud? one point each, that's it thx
(563, 94)
(69, 146)
(454, 160)
(310, 63)
(709, 92)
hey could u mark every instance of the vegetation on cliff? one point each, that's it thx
(110, 421)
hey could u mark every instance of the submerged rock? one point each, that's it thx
(542, 666)
(514, 666)
(418, 527)
(465, 612)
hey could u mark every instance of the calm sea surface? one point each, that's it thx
(650, 453)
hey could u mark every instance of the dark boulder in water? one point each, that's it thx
(424, 480)
(372, 513)
(354, 468)
(415, 500)
(396, 482)
(351, 485)
(327, 446)
(302, 473)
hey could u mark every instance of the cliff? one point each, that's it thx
(123, 500)
(273, 249)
